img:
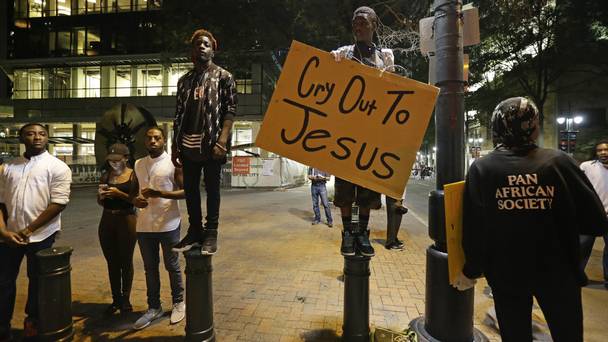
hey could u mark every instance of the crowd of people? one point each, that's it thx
(531, 215)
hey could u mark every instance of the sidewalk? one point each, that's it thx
(276, 277)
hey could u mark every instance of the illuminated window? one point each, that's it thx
(123, 81)
(177, 71)
(244, 86)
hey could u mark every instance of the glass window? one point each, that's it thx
(123, 81)
(124, 5)
(92, 78)
(140, 5)
(244, 86)
(154, 80)
(94, 6)
(79, 6)
(79, 42)
(63, 43)
(50, 8)
(35, 8)
(64, 7)
(21, 7)
(20, 85)
(35, 84)
(93, 42)
(78, 85)
(177, 70)
(60, 83)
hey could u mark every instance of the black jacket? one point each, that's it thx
(523, 213)
(220, 90)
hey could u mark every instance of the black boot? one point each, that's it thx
(348, 243)
(364, 245)
(210, 242)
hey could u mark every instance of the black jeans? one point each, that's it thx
(10, 258)
(559, 297)
(117, 238)
(192, 178)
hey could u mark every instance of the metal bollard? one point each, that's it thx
(356, 299)
(55, 294)
(199, 297)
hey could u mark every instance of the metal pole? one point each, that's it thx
(199, 297)
(356, 299)
(55, 294)
(448, 312)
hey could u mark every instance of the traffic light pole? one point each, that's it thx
(448, 312)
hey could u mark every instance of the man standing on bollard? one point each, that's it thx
(524, 208)
(206, 106)
(364, 51)
(597, 172)
(159, 185)
(34, 189)
(318, 190)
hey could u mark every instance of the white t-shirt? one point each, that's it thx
(161, 214)
(598, 175)
(29, 186)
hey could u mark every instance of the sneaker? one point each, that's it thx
(210, 242)
(365, 247)
(178, 313)
(314, 223)
(393, 246)
(329, 224)
(399, 243)
(147, 318)
(111, 309)
(348, 244)
(188, 242)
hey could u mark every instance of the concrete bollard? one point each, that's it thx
(55, 294)
(356, 299)
(199, 297)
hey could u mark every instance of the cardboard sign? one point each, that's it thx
(359, 123)
(453, 197)
(241, 165)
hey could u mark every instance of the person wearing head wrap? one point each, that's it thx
(524, 208)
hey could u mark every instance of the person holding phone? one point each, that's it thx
(117, 235)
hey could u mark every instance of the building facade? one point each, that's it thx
(65, 63)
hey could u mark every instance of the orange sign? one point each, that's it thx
(356, 122)
(241, 165)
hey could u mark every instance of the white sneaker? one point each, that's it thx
(147, 318)
(178, 313)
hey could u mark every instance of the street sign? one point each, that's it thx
(358, 123)
(470, 30)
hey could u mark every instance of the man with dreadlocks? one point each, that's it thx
(524, 208)
(206, 106)
(365, 23)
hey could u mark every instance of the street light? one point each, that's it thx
(567, 137)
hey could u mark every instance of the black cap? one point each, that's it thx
(117, 152)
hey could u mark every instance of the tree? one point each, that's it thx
(529, 46)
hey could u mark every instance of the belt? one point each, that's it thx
(120, 211)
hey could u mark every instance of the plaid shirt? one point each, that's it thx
(219, 104)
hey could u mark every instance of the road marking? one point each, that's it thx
(419, 218)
